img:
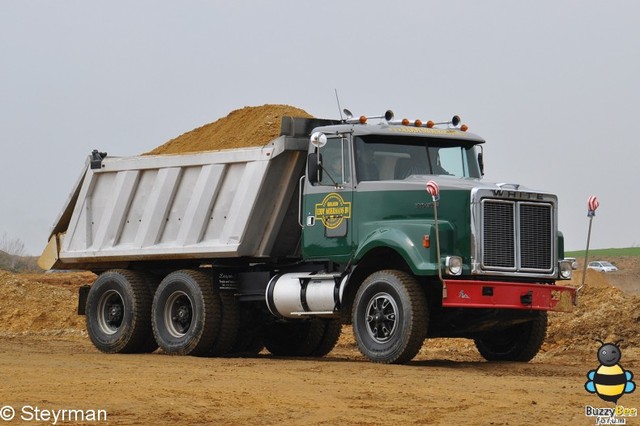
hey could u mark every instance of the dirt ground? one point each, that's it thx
(48, 362)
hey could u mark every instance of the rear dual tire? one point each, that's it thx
(118, 312)
(229, 325)
(186, 316)
(186, 313)
(314, 337)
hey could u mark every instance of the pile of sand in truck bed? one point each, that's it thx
(246, 127)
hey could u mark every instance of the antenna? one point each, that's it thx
(339, 108)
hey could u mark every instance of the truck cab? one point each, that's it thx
(367, 179)
(492, 258)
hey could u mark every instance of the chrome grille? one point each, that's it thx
(517, 236)
(535, 236)
(499, 238)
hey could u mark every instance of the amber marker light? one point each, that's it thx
(405, 122)
(464, 127)
(430, 124)
(418, 123)
(426, 241)
(363, 119)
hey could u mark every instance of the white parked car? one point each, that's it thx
(602, 266)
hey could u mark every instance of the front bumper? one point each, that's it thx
(507, 295)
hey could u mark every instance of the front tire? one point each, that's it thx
(186, 313)
(520, 342)
(118, 312)
(390, 317)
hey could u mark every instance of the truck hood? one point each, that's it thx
(445, 183)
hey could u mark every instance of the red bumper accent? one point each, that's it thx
(506, 295)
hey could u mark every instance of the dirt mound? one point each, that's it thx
(246, 127)
(604, 312)
(627, 278)
(41, 303)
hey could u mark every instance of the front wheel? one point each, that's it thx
(520, 342)
(390, 317)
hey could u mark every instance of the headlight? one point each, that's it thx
(566, 269)
(453, 265)
(574, 263)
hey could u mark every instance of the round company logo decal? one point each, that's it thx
(333, 210)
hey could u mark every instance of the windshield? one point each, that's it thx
(399, 158)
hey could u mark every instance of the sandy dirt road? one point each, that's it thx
(438, 387)
(48, 362)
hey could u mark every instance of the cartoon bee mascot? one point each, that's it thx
(609, 381)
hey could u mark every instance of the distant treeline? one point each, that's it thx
(13, 263)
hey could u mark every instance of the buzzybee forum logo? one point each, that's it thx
(610, 381)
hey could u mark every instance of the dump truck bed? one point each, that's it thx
(232, 203)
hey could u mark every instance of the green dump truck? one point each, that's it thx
(278, 246)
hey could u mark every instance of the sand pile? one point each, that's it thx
(604, 312)
(41, 303)
(246, 127)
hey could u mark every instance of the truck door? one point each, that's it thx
(327, 210)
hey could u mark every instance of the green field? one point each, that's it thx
(629, 251)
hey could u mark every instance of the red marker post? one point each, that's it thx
(592, 206)
(434, 190)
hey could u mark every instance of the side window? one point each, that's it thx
(336, 163)
(366, 167)
(447, 161)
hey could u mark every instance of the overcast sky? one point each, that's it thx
(553, 86)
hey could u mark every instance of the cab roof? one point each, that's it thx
(392, 130)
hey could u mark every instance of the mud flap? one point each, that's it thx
(83, 293)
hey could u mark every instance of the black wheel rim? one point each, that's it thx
(381, 317)
(110, 312)
(178, 314)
